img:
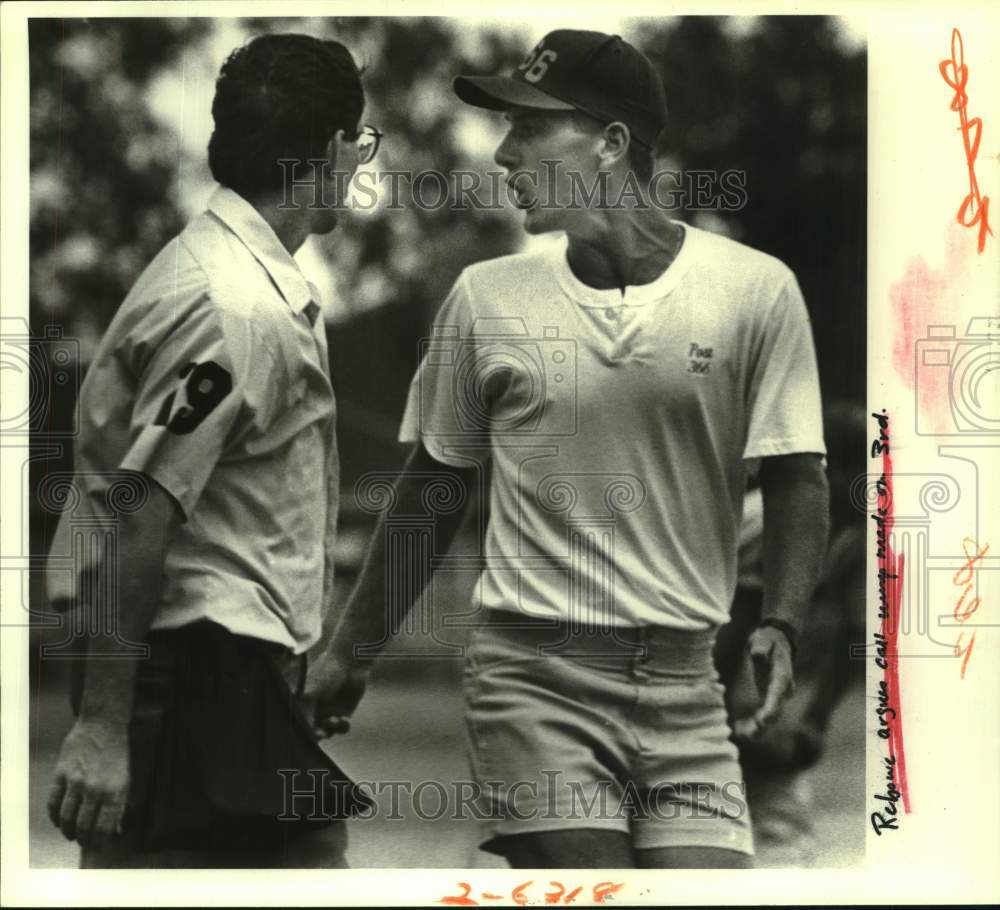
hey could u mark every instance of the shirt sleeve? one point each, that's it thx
(785, 414)
(448, 406)
(205, 386)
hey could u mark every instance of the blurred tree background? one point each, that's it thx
(120, 117)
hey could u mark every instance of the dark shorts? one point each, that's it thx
(222, 759)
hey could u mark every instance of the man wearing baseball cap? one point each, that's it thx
(615, 387)
(581, 79)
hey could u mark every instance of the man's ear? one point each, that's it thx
(616, 142)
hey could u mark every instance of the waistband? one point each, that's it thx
(662, 645)
(199, 647)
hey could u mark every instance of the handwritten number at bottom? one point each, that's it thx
(601, 892)
(461, 900)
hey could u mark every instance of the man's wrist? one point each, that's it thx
(108, 693)
(113, 721)
(789, 631)
(346, 652)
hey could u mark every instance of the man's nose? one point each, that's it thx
(506, 155)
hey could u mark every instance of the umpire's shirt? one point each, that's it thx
(213, 381)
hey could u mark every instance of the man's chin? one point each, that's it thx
(538, 221)
(324, 223)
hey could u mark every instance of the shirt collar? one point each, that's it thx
(258, 237)
(635, 294)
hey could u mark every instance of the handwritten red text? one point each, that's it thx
(963, 611)
(559, 894)
(975, 208)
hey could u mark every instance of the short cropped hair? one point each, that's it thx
(280, 96)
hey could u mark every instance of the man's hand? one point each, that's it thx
(334, 687)
(91, 782)
(771, 654)
(87, 800)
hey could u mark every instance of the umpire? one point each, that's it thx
(210, 398)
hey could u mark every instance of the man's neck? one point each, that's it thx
(631, 250)
(289, 225)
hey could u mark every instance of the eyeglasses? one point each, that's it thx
(367, 141)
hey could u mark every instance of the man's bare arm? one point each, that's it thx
(366, 619)
(796, 524)
(91, 781)
(338, 677)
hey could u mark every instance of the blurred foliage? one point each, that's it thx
(102, 169)
(780, 98)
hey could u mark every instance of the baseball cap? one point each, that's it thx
(599, 74)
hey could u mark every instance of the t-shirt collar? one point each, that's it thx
(258, 237)
(635, 294)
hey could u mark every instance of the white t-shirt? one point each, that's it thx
(618, 457)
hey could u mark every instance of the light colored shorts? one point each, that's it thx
(585, 730)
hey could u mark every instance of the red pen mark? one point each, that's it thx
(890, 570)
(924, 299)
(919, 299)
(975, 207)
(605, 889)
(553, 897)
(518, 895)
(601, 892)
(461, 900)
(962, 612)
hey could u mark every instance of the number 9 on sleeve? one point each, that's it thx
(207, 384)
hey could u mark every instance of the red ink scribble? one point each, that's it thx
(975, 207)
(918, 301)
(604, 890)
(518, 895)
(601, 892)
(923, 298)
(461, 900)
(893, 566)
(963, 612)
(553, 897)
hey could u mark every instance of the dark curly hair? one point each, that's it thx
(280, 96)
